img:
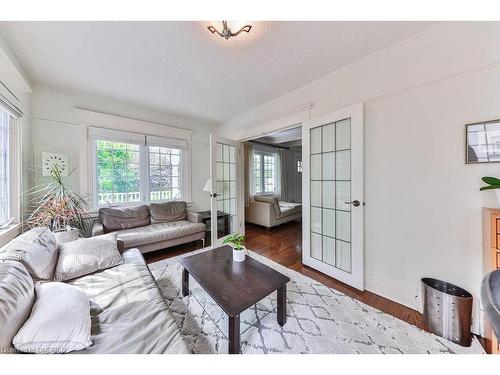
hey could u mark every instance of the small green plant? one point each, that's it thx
(235, 240)
(492, 183)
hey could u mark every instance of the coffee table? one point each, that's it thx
(234, 286)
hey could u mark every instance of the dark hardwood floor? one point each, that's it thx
(284, 246)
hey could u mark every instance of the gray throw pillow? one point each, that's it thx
(59, 321)
(168, 212)
(87, 255)
(36, 250)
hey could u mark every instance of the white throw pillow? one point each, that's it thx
(59, 321)
(86, 256)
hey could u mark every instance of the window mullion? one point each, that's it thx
(144, 173)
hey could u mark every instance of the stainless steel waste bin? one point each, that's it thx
(447, 310)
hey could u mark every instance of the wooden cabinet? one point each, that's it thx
(491, 262)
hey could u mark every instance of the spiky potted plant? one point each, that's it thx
(236, 241)
(493, 183)
(56, 206)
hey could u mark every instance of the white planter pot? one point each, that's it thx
(239, 255)
(497, 192)
(66, 236)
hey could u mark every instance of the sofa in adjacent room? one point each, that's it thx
(151, 227)
(269, 212)
(126, 310)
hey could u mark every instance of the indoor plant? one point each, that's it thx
(56, 206)
(492, 184)
(236, 240)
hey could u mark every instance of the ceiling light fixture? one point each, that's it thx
(226, 31)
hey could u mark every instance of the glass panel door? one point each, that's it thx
(224, 208)
(331, 181)
(332, 196)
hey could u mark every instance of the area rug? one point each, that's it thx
(319, 320)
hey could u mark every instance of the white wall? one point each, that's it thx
(55, 127)
(423, 212)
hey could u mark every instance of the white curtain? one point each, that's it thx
(4, 167)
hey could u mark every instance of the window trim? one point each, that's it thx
(261, 154)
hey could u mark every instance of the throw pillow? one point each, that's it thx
(59, 321)
(36, 250)
(87, 255)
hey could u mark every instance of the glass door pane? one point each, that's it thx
(330, 182)
(225, 189)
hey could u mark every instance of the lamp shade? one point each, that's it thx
(208, 186)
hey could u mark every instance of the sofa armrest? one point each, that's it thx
(97, 228)
(260, 213)
(193, 217)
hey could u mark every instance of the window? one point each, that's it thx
(164, 173)
(118, 172)
(5, 200)
(265, 172)
(133, 168)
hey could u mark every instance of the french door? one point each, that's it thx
(332, 195)
(225, 180)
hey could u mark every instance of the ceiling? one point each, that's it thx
(179, 67)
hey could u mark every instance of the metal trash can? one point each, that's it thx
(447, 310)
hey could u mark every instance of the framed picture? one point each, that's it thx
(482, 142)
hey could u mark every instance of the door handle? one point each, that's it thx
(214, 195)
(354, 203)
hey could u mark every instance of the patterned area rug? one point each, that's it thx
(319, 320)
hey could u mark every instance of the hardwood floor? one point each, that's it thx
(284, 246)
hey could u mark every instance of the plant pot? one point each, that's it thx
(66, 236)
(239, 255)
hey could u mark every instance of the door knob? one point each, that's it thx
(214, 195)
(354, 203)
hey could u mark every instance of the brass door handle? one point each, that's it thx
(355, 203)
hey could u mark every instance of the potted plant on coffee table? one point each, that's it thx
(236, 241)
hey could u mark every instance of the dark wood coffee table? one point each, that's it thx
(234, 286)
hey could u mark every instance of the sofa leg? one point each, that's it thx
(202, 243)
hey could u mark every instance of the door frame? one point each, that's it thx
(356, 277)
(239, 206)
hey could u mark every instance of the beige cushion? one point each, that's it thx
(167, 212)
(59, 321)
(118, 218)
(271, 200)
(87, 255)
(36, 249)
(159, 232)
(17, 296)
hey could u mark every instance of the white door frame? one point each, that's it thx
(356, 277)
(239, 227)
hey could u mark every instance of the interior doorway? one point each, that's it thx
(272, 169)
